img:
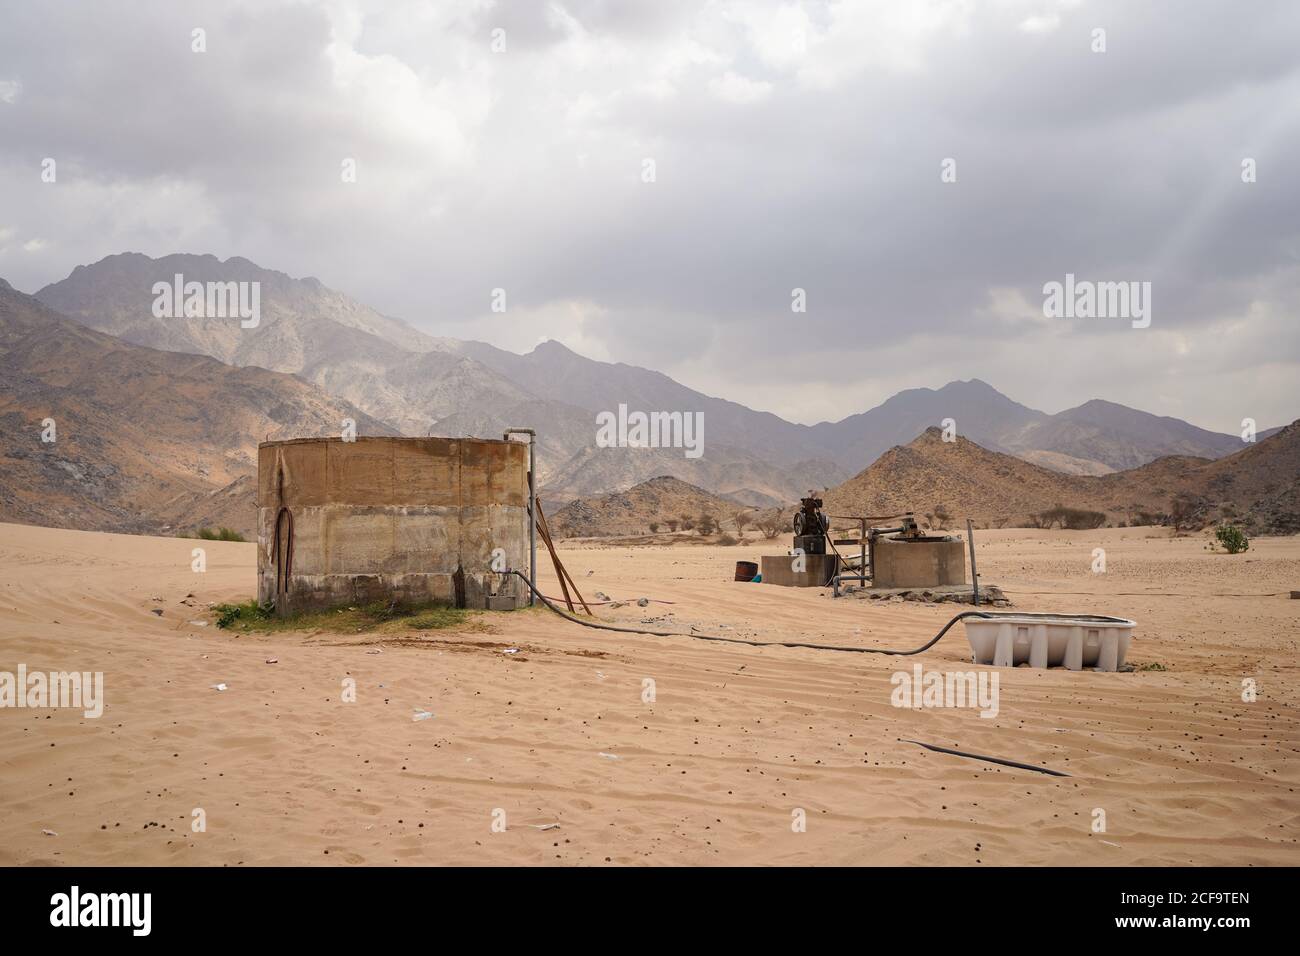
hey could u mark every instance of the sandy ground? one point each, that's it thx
(714, 770)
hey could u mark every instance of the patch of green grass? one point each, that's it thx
(435, 618)
(242, 616)
(213, 534)
(1152, 666)
(380, 616)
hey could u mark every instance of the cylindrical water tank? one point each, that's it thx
(410, 520)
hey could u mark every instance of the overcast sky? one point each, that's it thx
(795, 145)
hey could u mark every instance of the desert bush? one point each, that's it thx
(741, 519)
(1232, 538)
(1070, 519)
(941, 516)
(654, 527)
(218, 534)
(706, 524)
(770, 527)
(672, 524)
(249, 611)
(726, 540)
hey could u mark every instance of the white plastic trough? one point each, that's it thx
(1050, 640)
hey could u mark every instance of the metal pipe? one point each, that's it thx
(532, 513)
(974, 578)
(835, 582)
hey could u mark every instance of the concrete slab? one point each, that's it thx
(818, 569)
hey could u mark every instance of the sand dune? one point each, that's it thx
(736, 740)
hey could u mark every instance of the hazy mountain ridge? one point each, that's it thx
(420, 384)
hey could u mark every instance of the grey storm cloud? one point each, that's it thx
(795, 145)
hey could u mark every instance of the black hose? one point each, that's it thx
(1098, 618)
(740, 640)
(998, 760)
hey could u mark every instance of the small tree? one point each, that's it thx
(654, 527)
(1183, 513)
(741, 520)
(706, 524)
(941, 516)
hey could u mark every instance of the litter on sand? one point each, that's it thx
(219, 687)
(609, 756)
(544, 826)
(422, 714)
(52, 833)
(511, 650)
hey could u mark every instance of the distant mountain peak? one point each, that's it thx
(552, 347)
(975, 384)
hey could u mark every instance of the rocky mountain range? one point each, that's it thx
(143, 440)
(1257, 486)
(660, 501)
(419, 384)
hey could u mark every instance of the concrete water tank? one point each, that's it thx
(926, 562)
(410, 520)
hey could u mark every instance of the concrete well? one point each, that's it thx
(923, 563)
(410, 520)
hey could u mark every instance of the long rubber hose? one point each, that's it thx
(817, 647)
(986, 758)
(829, 647)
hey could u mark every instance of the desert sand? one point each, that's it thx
(712, 771)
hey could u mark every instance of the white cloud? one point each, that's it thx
(522, 169)
(1040, 24)
(734, 88)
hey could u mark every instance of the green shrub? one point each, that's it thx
(1232, 538)
(218, 534)
(246, 613)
